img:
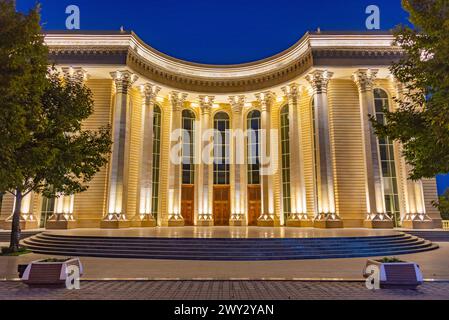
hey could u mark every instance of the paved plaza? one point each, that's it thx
(221, 290)
(225, 232)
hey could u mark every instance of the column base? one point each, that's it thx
(327, 221)
(299, 220)
(378, 224)
(144, 221)
(237, 223)
(176, 221)
(61, 225)
(268, 221)
(61, 221)
(299, 223)
(205, 223)
(237, 220)
(27, 222)
(24, 225)
(115, 221)
(328, 224)
(417, 221)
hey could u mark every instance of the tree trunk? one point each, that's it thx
(15, 230)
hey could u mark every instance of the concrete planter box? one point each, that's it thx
(397, 275)
(49, 273)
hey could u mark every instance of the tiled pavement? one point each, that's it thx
(221, 290)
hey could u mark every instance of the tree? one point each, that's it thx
(43, 147)
(443, 205)
(421, 123)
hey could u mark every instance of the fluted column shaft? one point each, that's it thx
(145, 195)
(319, 81)
(415, 207)
(238, 162)
(267, 218)
(174, 190)
(364, 80)
(64, 204)
(205, 215)
(120, 150)
(297, 184)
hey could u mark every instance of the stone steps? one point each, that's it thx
(225, 249)
(437, 236)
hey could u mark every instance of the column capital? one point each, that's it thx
(292, 91)
(266, 100)
(149, 92)
(76, 74)
(123, 80)
(364, 79)
(177, 100)
(206, 103)
(319, 80)
(237, 103)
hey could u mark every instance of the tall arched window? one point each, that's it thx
(285, 146)
(387, 159)
(188, 147)
(221, 149)
(157, 121)
(253, 127)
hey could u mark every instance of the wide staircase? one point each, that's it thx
(227, 249)
(431, 235)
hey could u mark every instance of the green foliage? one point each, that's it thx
(421, 123)
(390, 260)
(43, 147)
(7, 252)
(443, 205)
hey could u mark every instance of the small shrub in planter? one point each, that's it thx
(49, 272)
(397, 274)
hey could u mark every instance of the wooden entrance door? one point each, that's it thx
(188, 204)
(254, 204)
(222, 205)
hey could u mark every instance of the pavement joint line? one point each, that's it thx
(223, 280)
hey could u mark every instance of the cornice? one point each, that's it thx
(311, 50)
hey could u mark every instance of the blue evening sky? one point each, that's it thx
(222, 31)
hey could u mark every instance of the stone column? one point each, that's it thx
(376, 212)
(326, 217)
(144, 216)
(238, 217)
(117, 198)
(63, 217)
(298, 217)
(175, 218)
(28, 219)
(415, 208)
(205, 214)
(268, 217)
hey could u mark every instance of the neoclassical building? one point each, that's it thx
(311, 103)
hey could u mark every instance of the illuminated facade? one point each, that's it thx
(308, 157)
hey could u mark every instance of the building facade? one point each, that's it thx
(287, 139)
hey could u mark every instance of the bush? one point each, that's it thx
(390, 260)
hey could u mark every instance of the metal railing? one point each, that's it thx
(446, 224)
